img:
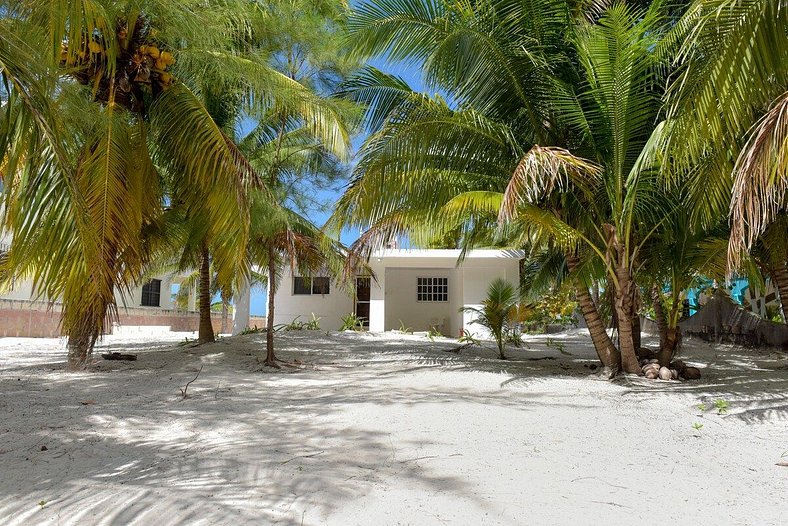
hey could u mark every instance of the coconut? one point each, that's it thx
(153, 52)
(649, 369)
(678, 365)
(691, 373)
(674, 374)
(651, 374)
(664, 373)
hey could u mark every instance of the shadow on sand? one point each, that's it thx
(123, 447)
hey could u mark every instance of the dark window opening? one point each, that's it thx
(311, 286)
(363, 289)
(321, 285)
(302, 285)
(151, 293)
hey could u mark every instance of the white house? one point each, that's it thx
(23, 312)
(417, 289)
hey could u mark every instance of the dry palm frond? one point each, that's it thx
(760, 187)
(541, 171)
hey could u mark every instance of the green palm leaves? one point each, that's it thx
(726, 109)
(554, 119)
(499, 313)
(107, 118)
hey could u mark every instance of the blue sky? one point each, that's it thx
(413, 77)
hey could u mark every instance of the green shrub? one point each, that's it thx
(351, 322)
(500, 314)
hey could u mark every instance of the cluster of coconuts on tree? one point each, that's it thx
(141, 67)
(677, 370)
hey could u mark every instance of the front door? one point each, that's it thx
(363, 291)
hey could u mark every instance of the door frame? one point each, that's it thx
(357, 301)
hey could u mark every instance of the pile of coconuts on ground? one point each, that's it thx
(677, 370)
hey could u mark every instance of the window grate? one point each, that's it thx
(151, 293)
(432, 289)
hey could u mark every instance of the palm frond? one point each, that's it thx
(540, 172)
(760, 187)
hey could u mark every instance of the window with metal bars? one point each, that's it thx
(151, 293)
(432, 289)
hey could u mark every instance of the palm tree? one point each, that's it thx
(293, 155)
(281, 237)
(551, 136)
(727, 116)
(114, 96)
(112, 126)
(190, 282)
(499, 312)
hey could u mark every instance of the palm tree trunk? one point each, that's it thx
(270, 357)
(662, 321)
(780, 278)
(206, 327)
(80, 346)
(669, 337)
(499, 340)
(624, 307)
(84, 320)
(610, 293)
(605, 350)
(635, 317)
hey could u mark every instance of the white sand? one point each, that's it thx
(386, 430)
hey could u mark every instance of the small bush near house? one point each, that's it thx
(351, 322)
(250, 330)
(500, 314)
(557, 307)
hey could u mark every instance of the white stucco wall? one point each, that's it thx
(394, 295)
(165, 301)
(403, 308)
(477, 276)
(330, 308)
(393, 299)
(23, 290)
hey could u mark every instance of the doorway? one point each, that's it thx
(363, 293)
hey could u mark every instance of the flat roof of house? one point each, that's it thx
(448, 253)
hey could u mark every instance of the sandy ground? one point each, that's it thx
(386, 430)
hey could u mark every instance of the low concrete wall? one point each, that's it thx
(29, 319)
(38, 319)
(257, 321)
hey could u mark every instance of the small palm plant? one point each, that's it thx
(499, 313)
